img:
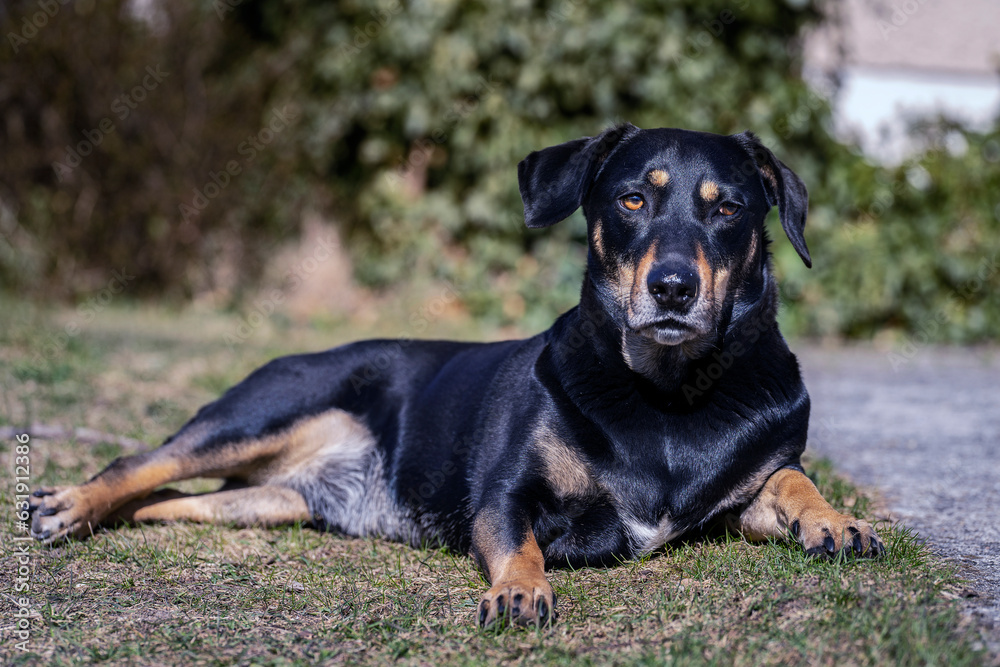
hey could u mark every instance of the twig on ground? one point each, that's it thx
(80, 434)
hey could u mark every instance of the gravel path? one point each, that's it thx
(922, 425)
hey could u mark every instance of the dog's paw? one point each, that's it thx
(526, 601)
(828, 533)
(58, 513)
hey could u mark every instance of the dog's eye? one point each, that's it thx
(729, 209)
(632, 202)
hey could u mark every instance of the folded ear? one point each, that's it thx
(554, 180)
(784, 189)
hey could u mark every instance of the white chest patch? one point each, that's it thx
(647, 537)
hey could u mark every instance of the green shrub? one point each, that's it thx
(419, 113)
(413, 117)
(913, 249)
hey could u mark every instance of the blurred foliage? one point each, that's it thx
(111, 120)
(413, 116)
(913, 249)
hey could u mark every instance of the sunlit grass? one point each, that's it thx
(208, 595)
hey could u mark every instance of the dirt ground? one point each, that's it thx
(921, 425)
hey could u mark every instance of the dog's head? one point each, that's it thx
(676, 223)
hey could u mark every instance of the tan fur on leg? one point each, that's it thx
(250, 506)
(789, 503)
(519, 588)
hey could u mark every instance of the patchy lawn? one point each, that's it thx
(197, 595)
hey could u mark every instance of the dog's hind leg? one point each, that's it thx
(249, 506)
(324, 455)
(75, 511)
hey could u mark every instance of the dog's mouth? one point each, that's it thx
(668, 332)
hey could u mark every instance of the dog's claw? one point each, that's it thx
(876, 548)
(829, 535)
(524, 602)
(856, 543)
(543, 612)
(62, 512)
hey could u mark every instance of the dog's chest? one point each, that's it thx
(646, 503)
(671, 490)
(645, 537)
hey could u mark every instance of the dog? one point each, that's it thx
(665, 400)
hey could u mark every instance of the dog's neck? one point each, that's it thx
(744, 319)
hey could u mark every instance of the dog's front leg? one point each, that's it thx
(790, 503)
(508, 552)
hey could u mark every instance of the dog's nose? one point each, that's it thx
(673, 287)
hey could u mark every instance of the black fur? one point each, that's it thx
(672, 436)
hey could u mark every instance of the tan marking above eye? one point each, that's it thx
(709, 190)
(658, 177)
(633, 202)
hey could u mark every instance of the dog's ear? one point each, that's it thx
(784, 189)
(553, 181)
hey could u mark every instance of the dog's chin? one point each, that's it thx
(668, 334)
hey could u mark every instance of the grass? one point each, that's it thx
(196, 595)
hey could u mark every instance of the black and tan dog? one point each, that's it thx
(666, 398)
